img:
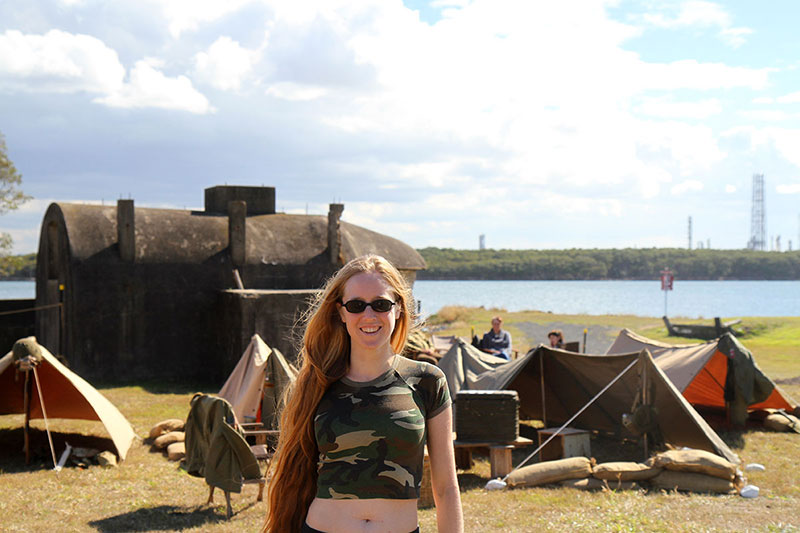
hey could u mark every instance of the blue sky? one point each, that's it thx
(539, 124)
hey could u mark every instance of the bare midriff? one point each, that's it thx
(363, 516)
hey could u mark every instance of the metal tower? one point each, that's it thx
(758, 230)
(690, 233)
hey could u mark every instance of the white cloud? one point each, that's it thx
(693, 74)
(735, 37)
(296, 92)
(698, 14)
(785, 141)
(666, 107)
(226, 64)
(687, 186)
(764, 100)
(766, 115)
(793, 188)
(149, 87)
(58, 62)
(692, 13)
(791, 98)
(189, 15)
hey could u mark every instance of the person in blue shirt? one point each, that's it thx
(497, 341)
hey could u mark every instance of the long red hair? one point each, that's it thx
(324, 358)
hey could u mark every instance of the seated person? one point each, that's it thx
(497, 341)
(556, 339)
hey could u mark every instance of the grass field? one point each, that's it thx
(149, 493)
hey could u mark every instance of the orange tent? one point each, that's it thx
(700, 372)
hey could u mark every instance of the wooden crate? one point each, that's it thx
(487, 415)
(568, 443)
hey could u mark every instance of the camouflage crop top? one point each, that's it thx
(371, 435)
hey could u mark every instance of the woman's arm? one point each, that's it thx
(443, 473)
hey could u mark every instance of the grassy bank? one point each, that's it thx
(149, 493)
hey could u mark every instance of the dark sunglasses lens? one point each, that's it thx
(355, 306)
(382, 305)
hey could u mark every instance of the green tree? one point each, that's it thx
(11, 197)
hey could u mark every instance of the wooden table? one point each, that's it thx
(499, 454)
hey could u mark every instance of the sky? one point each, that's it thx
(539, 124)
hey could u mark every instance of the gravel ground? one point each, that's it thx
(598, 338)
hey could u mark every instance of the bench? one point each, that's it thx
(499, 454)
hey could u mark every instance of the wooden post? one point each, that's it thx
(541, 381)
(500, 460)
(26, 400)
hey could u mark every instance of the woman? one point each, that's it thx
(556, 338)
(352, 433)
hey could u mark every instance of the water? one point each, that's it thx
(17, 290)
(691, 299)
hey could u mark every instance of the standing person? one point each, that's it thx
(556, 338)
(353, 431)
(497, 341)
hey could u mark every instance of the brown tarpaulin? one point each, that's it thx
(571, 380)
(246, 388)
(66, 395)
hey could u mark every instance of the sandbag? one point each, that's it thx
(106, 458)
(698, 461)
(691, 482)
(165, 426)
(591, 483)
(625, 471)
(176, 451)
(782, 422)
(551, 472)
(168, 438)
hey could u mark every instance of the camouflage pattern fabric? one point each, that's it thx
(371, 435)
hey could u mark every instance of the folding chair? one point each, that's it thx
(216, 449)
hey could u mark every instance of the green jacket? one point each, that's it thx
(215, 449)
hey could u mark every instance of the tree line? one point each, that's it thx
(599, 264)
(575, 264)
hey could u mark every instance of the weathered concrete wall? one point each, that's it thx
(273, 314)
(146, 292)
(16, 325)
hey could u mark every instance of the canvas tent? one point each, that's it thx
(555, 384)
(700, 372)
(258, 380)
(64, 393)
(463, 363)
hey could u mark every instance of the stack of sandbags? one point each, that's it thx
(551, 472)
(592, 483)
(621, 475)
(168, 435)
(694, 471)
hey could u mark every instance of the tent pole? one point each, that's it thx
(644, 402)
(26, 400)
(541, 381)
(44, 414)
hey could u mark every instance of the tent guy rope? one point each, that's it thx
(496, 484)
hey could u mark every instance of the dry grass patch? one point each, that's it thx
(149, 493)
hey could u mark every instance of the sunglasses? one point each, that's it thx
(381, 305)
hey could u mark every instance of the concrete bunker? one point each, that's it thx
(148, 292)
